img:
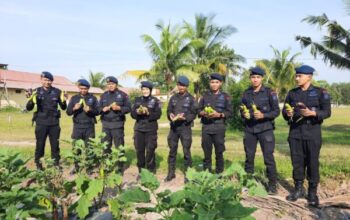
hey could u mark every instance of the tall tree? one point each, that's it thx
(97, 79)
(280, 71)
(213, 55)
(171, 54)
(335, 46)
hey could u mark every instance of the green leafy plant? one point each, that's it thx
(59, 190)
(92, 189)
(205, 196)
(18, 200)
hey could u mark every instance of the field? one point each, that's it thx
(17, 135)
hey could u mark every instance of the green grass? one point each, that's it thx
(335, 163)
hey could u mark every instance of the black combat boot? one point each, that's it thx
(272, 188)
(312, 198)
(171, 174)
(298, 192)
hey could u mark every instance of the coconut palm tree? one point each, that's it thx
(97, 79)
(335, 46)
(213, 55)
(280, 71)
(171, 55)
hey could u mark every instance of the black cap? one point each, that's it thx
(147, 84)
(305, 69)
(183, 80)
(83, 82)
(47, 75)
(257, 71)
(111, 79)
(217, 76)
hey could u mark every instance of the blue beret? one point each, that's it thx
(83, 82)
(47, 75)
(183, 80)
(257, 71)
(217, 76)
(305, 69)
(147, 84)
(111, 79)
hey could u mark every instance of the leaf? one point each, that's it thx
(230, 210)
(114, 207)
(83, 207)
(113, 180)
(177, 197)
(149, 180)
(204, 214)
(177, 215)
(11, 212)
(135, 195)
(95, 187)
(81, 183)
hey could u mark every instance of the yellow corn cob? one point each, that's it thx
(62, 96)
(255, 109)
(245, 111)
(209, 110)
(82, 102)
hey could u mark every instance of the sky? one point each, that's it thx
(71, 38)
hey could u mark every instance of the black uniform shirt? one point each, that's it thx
(316, 99)
(114, 119)
(47, 106)
(266, 101)
(185, 104)
(146, 123)
(221, 103)
(81, 118)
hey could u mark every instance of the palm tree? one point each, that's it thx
(97, 79)
(171, 55)
(212, 55)
(280, 71)
(335, 46)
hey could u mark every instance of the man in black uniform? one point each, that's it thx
(146, 111)
(213, 122)
(181, 112)
(259, 125)
(84, 108)
(309, 106)
(47, 117)
(114, 105)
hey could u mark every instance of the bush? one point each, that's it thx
(235, 90)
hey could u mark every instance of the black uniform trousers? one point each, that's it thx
(218, 140)
(146, 144)
(184, 134)
(267, 143)
(113, 134)
(41, 133)
(83, 133)
(305, 157)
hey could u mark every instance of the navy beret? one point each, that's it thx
(83, 82)
(111, 79)
(257, 71)
(217, 76)
(147, 84)
(47, 75)
(305, 69)
(183, 80)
